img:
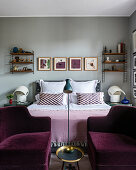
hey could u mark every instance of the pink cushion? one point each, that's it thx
(89, 98)
(51, 99)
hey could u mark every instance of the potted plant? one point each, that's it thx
(10, 97)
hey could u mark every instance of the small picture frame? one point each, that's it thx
(134, 78)
(134, 92)
(60, 63)
(44, 63)
(134, 41)
(91, 63)
(134, 61)
(75, 63)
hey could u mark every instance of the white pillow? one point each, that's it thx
(82, 87)
(52, 87)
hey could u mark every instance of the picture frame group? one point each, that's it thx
(67, 63)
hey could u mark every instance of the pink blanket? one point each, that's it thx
(78, 123)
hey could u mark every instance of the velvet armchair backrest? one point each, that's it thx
(123, 120)
(120, 119)
(13, 120)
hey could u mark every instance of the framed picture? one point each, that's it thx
(75, 63)
(60, 63)
(134, 61)
(44, 63)
(91, 63)
(134, 78)
(134, 92)
(134, 41)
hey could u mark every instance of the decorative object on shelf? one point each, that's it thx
(107, 59)
(114, 68)
(44, 64)
(15, 68)
(15, 50)
(60, 63)
(91, 63)
(20, 50)
(75, 63)
(125, 101)
(117, 60)
(114, 93)
(10, 97)
(25, 68)
(105, 49)
(134, 92)
(121, 48)
(134, 78)
(134, 41)
(110, 51)
(17, 58)
(68, 89)
(21, 93)
(134, 61)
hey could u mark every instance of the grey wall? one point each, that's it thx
(132, 27)
(60, 37)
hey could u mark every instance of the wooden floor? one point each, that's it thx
(56, 164)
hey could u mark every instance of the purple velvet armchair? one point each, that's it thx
(25, 141)
(112, 139)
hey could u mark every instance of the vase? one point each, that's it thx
(10, 101)
(125, 101)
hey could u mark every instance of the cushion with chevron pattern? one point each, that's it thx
(90, 98)
(51, 99)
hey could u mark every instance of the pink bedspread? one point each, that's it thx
(78, 123)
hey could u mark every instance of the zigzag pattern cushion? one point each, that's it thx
(90, 98)
(51, 99)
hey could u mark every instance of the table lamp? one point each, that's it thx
(68, 89)
(114, 93)
(21, 93)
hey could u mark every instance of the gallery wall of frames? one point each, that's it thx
(68, 63)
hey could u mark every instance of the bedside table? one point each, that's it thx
(18, 104)
(118, 104)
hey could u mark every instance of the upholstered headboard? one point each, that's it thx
(38, 89)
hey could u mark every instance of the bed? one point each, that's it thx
(78, 118)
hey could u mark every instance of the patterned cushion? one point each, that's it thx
(90, 98)
(51, 99)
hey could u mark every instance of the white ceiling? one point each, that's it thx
(67, 8)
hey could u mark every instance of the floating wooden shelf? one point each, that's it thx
(113, 62)
(22, 71)
(21, 62)
(114, 53)
(113, 71)
(22, 53)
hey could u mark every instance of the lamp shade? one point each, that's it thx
(115, 90)
(21, 93)
(22, 90)
(67, 87)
